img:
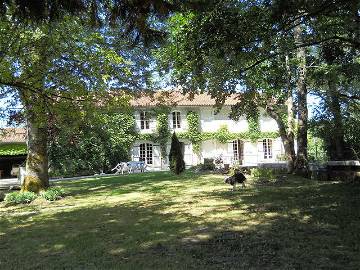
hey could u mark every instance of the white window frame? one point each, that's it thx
(146, 151)
(267, 148)
(144, 120)
(176, 119)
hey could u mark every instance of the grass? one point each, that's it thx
(162, 221)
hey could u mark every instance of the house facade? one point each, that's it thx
(238, 149)
(12, 151)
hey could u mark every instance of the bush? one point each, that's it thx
(208, 164)
(263, 173)
(20, 197)
(176, 158)
(53, 194)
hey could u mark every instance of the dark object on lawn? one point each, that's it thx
(238, 177)
(176, 156)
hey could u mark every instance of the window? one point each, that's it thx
(146, 153)
(144, 120)
(238, 147)
(176, 119)
(267, 148)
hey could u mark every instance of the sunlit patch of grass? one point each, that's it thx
(163, 221)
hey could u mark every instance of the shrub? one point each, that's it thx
(208, 164)
(20, 197)
(53, 194)
(176, 158)
(263, 173)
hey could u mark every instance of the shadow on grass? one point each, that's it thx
(295, 226)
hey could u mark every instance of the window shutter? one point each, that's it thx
(260, 152)
(230, 153)
(135, 152)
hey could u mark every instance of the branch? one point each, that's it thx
(36, 90)
(353, 97)
(312, 43)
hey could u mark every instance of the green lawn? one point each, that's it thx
(161, 221)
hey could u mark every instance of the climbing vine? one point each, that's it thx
(163, 132)
(195, 136)
(194, 133)
(223, 135)
(254, 127)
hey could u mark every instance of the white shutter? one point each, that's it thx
(156, 156)
(230, 153)
(135, 153)
(152, 124)
(137, 120)
(260, 150)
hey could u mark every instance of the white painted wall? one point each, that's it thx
(211, 122)
(183, 122)
(267, 124)
(152, 124)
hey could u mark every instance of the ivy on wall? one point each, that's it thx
(163, 132)
(194, 133)
(254, 127)
(223, 135)
(195, 136)
(13, 149)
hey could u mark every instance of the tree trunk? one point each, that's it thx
(301, 163)
(338, 132)
(36, 176)
(288, 141)
(290, 119)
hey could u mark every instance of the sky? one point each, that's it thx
(3, 106)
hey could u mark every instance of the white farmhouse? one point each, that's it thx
(242, 151)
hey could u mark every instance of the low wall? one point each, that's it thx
(346, 170)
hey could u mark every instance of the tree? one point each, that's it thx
(220, 48)
(51, 68)
(56, 51)
(176, 157)
(98, 143)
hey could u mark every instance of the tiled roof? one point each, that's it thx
(176, 98)
(11, 135)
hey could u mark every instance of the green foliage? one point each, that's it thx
(194, 133)
(13, 149)
(352, 130)
(254, 127)
(176, 158)
(53, 194)
(20, 197)
(263, 173)
(222, 135)
(323, 130)
(163, 132)
(147, 137)
(98, 144)
(208, 164)
(316, 149)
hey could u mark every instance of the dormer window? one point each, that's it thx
(144, 120)
(176, 120)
